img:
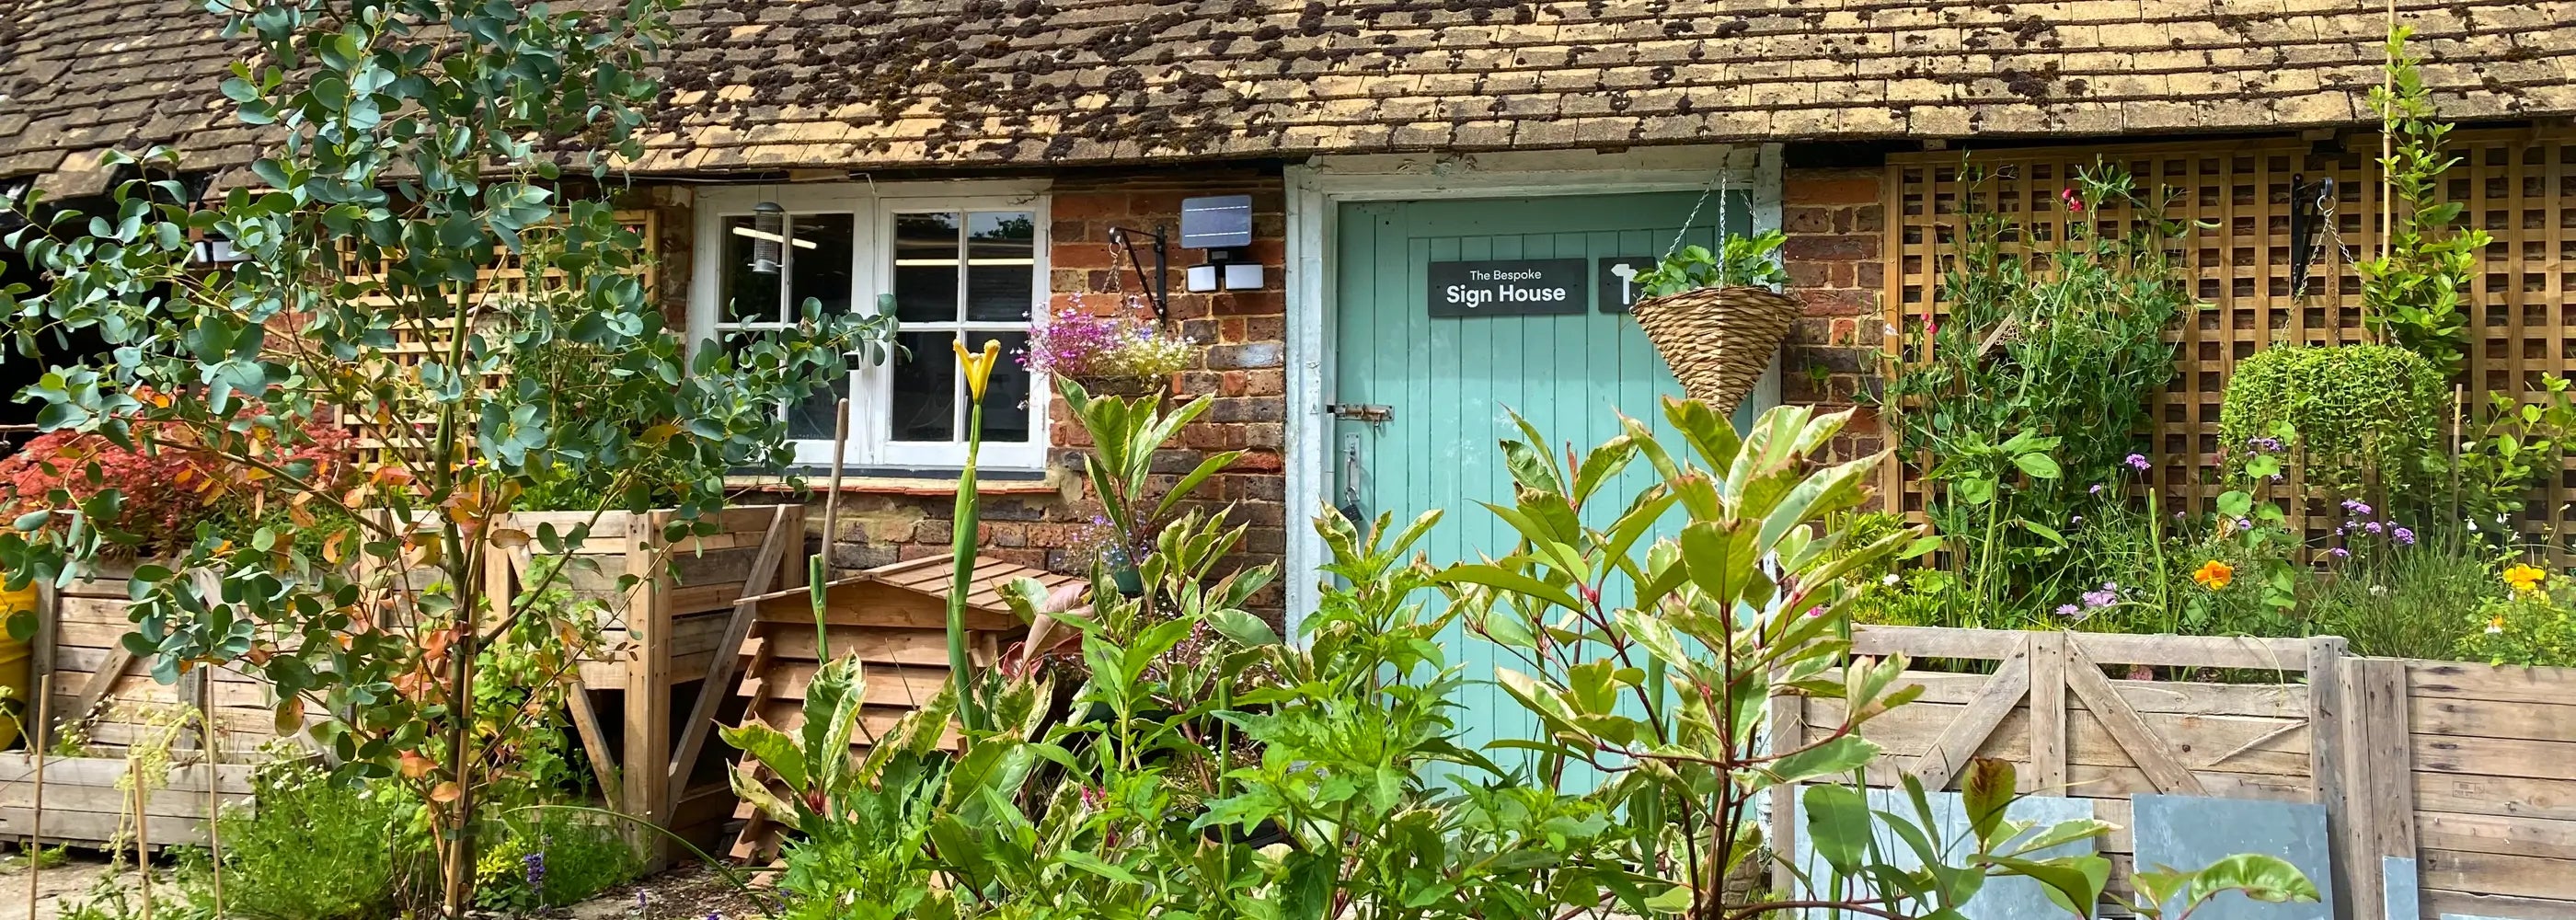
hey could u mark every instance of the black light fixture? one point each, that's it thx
(768, 237)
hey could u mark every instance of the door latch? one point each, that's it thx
(1361, 412)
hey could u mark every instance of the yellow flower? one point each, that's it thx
(2214, 575)
(979, 368)
(2495, 625)
(2525, 577)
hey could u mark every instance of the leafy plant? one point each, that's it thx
(2354, 418)
(2030, 394)
(425, 148)
(311, 850)
(1741, 261)
(2509, 447)
(2528, 624)
(2412, 295)
(1126, 435)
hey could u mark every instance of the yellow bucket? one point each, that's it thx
(14, 659)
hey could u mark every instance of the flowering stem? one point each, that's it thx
(962, 559)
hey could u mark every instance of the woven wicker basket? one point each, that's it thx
(1718, 340)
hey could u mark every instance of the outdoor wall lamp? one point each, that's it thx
(1222, 225)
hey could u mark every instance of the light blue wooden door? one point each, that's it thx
(1453, 314)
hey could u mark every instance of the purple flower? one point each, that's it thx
(2403, 536)
(2355, 506)
(2097, 488)
(2067, 610)
(2098, 599)
(2078, 519)
(2374, 528)
(2264, 443)
(2338, 552)
(2137, 462)
(536, 870)
(2243, 524)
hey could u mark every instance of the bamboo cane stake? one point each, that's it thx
(36, 821)
(214, 798)
(142, 833)
(832, 499)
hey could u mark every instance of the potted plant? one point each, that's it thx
(1111, 355)
(1715, 317)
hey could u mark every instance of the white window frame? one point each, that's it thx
(874, 207)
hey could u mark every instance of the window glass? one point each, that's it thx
(924, 403)
(818, 263)
(1006, 395)
(1000, 258)
(925, 268)
(748, 296)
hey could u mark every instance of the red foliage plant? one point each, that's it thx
(167, 491)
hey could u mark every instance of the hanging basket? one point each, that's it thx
(1718, 340)
(1129, 387)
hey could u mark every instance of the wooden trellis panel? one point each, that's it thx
(503, 284)
(2519, 184)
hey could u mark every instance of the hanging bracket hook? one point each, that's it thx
(1157, 285)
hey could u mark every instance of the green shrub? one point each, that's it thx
(2351, 414)
(312, 850)
(2402, 602)
(549, 858)
(2528, 623)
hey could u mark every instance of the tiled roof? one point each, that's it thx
(775, 84)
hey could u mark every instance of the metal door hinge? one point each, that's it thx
(1361, 412)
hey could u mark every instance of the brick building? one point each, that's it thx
(998, 143)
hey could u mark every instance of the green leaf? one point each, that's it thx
(2073, 883)
(1838, 756)
(1838, 825)
(1243, 628)
(1515, 582)
(2261, 877)
(1986, 790)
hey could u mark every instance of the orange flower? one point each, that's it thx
(2214, 575)
(2525, 577)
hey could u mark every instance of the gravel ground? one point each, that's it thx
(685, 893)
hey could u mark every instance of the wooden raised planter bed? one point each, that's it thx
(2447, 785)
(84, 806)
(660, 637)
(895, 618)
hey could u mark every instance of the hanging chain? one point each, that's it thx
(1725, 171)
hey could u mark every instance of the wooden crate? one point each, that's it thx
(895, 619)
(108, 694)
(2070, 729)
(84, 806)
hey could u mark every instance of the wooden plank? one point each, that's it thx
(99, 683)
(2380, 809)
(2224, 743)
(888, 686)
(647, 728)
(878, 605)
(2512, 796)
(2085, 781)
(18, 767)
(2511, 684)
(2495, 757)
(98, 827)
(2498, 873)
(2532, 720)
(1788, 726)
(926, 647)
(2439, 902)
(2543, 837)
(2326, 768)
(594, 739)
(719, 672)
(2047, 772)
(1959, 741)
(2084, 677)
(2284, 655)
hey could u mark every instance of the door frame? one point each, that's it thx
(1316, 190)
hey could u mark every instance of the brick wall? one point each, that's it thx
(1242, 368)
(1835, 218)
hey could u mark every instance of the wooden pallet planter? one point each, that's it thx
(2488, 758)
(894, 618)
(2070, 729)
(661, 637)
(84, 806)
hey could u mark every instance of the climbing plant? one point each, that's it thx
(2413, 294)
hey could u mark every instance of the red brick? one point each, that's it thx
(1831, 186)
(1823, 247)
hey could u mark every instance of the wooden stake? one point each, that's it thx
(36, 821)
(214, 797)
(832, 499)
(142, 835)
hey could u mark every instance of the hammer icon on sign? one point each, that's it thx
(1627, 283)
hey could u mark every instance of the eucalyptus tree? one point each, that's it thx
(433, 215)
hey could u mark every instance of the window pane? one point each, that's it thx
(925, 268)
(1000, 260)
(925, 388)
(821, 271)
(812, 419)
(1006, 396)
(750, 297)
